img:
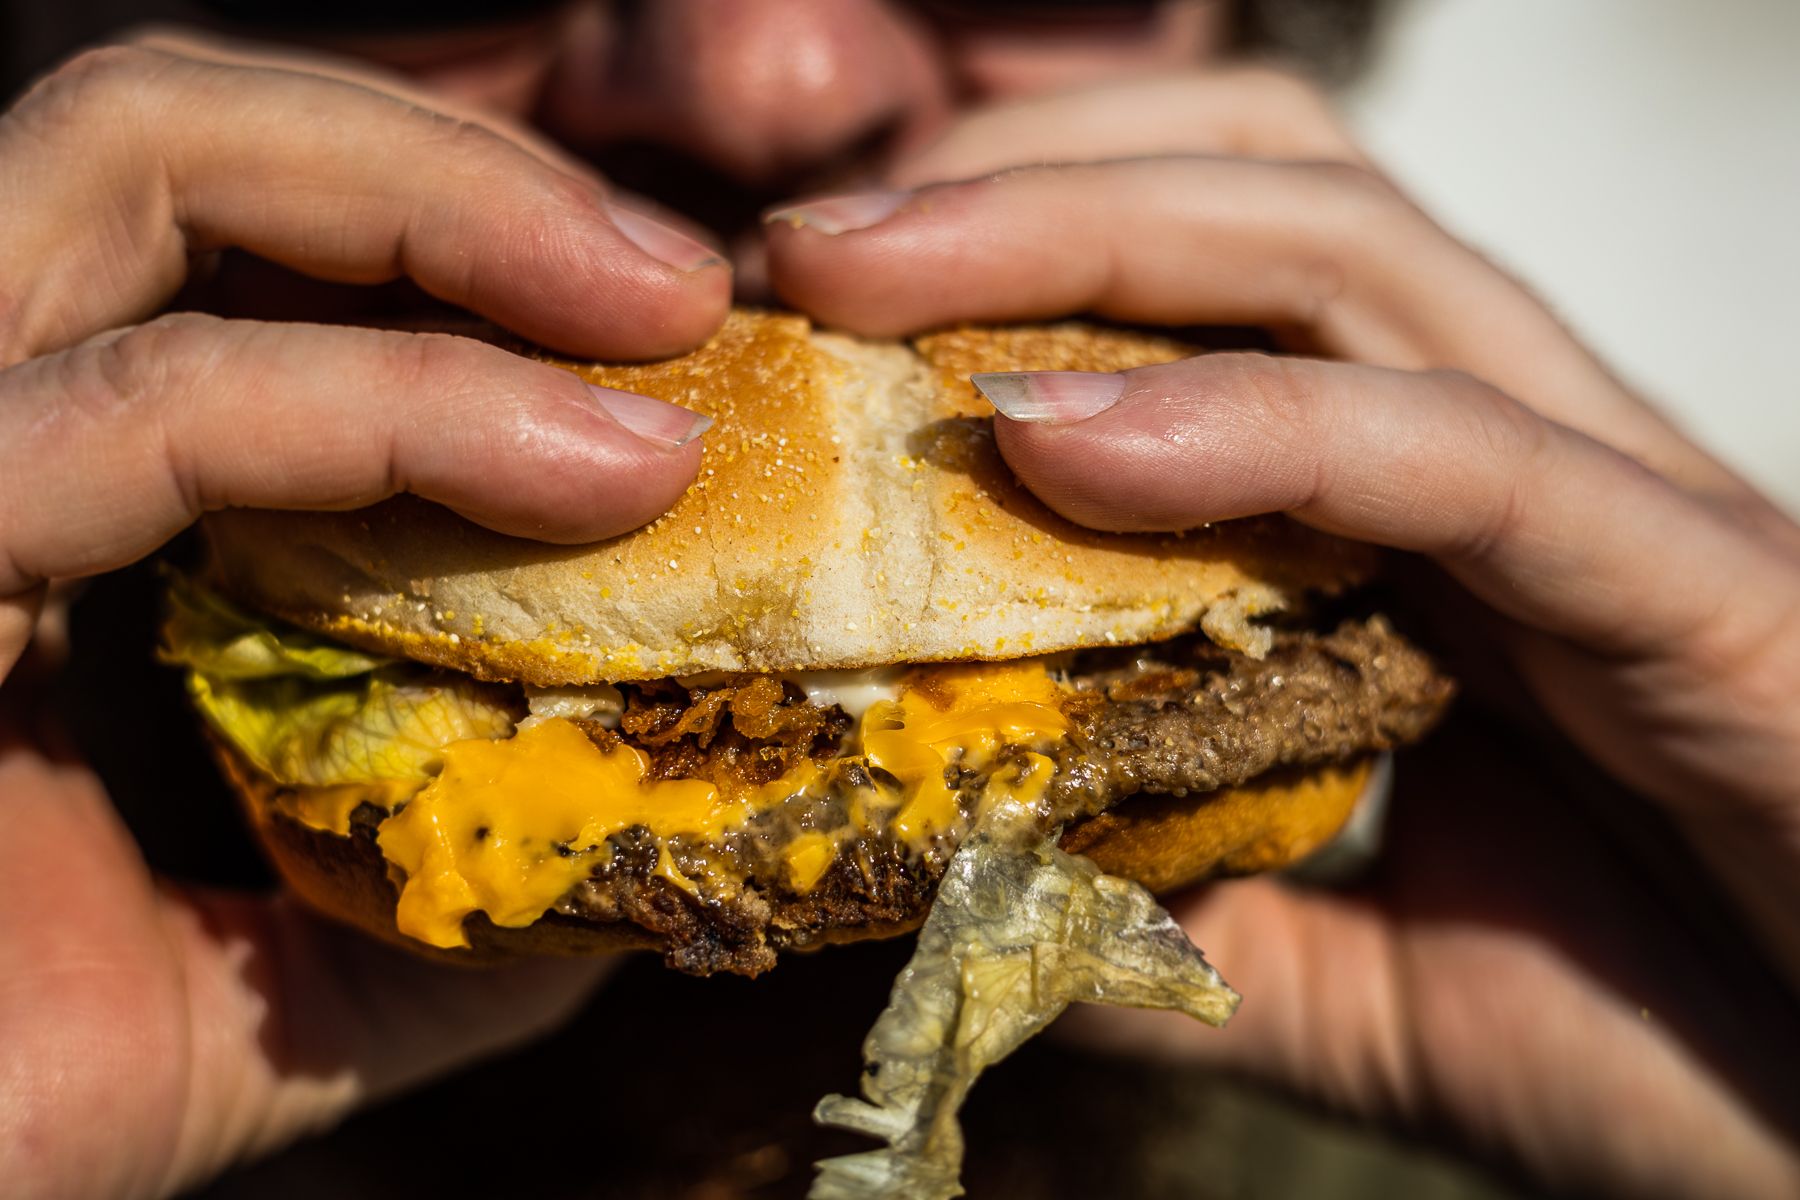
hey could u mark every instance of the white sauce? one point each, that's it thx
(598, 702)
(852, 691)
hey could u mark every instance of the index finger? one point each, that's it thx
(1240, 110)
(1549, 526)
(119, 166)
(111, 448)
(1329, 251)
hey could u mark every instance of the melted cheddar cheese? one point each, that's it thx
(329, 807)
(955, 716)
(807, 858)
(510, 827)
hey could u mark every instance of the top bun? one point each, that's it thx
(851, 510)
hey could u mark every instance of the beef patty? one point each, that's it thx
(1187, 716)
(1175, 719)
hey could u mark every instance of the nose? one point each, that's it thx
(756, 88)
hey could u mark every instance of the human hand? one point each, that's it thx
(155, 1032)
(1508, 969)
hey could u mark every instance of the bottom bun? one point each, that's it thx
(1170, 842)
(1162, 842)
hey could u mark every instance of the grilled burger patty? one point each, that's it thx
(1188, 716)
(1181, 718)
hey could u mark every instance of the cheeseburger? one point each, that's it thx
(855, 670)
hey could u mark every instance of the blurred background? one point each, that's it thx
(1637, 162)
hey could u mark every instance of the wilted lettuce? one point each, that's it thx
(208, 633)
(307, 711)
(1016, 935)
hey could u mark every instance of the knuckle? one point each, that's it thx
(1758, 661)
(409, 363)
(440, 364)
(128, 382)
(150, 364)
(468, 143)
(118, 62)
(95, 85)
(157, 36)
(1359, 187)
(1283, 394)
(500, 173)
(1261, 407)
(1287, 92)
(1361, 210)
(1508, 434)
(1507, 443)
(1747, 648)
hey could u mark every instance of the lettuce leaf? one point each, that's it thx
(305, 710)
(211, 635)
(1016, 934)
(384, 725)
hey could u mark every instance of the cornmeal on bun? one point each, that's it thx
(769, 719)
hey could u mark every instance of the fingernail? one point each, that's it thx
(1050, 397)
(839, 214)
(661, 242)
(664, 424)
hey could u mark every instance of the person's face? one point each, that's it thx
(718, 107)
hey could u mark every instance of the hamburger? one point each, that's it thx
(856, 670)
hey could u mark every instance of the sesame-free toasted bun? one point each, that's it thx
(851, 510)
(1163, 842)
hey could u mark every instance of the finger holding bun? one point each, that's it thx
(767, 720)
(1332, 254)
(154, 414)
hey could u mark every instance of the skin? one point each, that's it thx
(1626, 587)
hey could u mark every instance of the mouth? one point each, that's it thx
(729, 206)
(723, 203)
(727, 209)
